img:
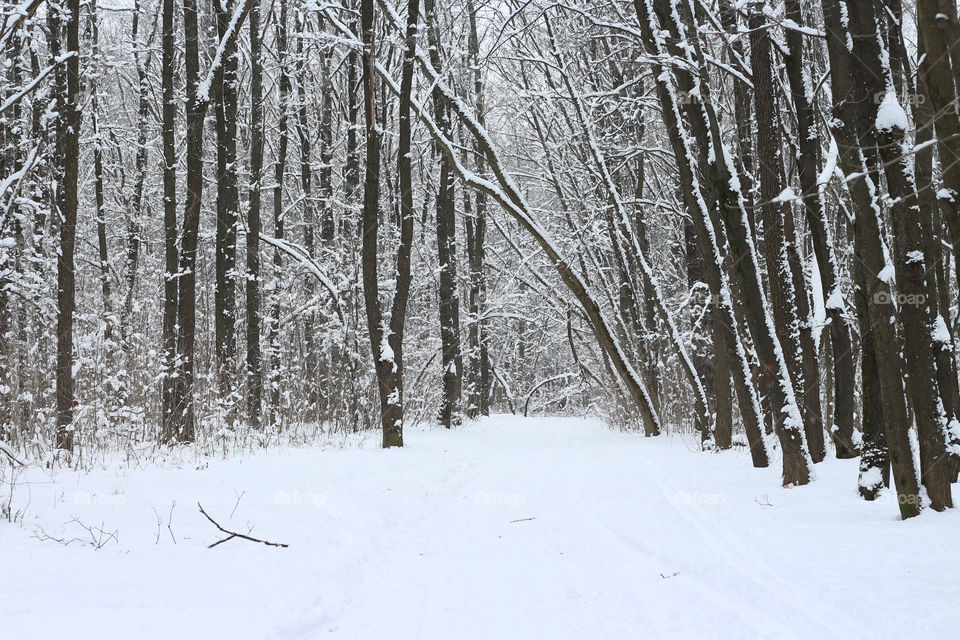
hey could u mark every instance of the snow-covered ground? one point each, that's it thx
(505, 529)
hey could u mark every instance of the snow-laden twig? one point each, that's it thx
(14, 18)
(19, 95)
(13, 459)
(301, 255)
(229, 36)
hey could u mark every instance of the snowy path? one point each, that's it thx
(506, 529)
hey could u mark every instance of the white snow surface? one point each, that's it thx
(505, 528)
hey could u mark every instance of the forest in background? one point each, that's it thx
(237, 222)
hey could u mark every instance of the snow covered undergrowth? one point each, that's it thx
(507, 528)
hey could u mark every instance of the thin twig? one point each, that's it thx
(159, 522)
(239, 497)
(170, 522)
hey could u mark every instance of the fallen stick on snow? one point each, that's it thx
(233, 534)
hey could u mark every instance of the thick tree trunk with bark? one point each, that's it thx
(228, 208)
(937, 295)
(938, 81)
(254, 358)
(386, 338)
(169, 430)
(64, 22)
(875, 456)
(196, 108)
(198, 101)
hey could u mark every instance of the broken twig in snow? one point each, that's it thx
(233, 534)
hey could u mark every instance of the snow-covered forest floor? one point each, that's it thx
(506, 528)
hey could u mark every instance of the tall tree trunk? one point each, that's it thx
(774, 374)
(65, 28)
(169, 430)
(184, 410)
(198, 101)
(278, 170)
(228, 207)
(938, 297)
(938, 82)
(392, 408)
(451, 357)
(253, 295)
(479, 360)
(386, 342)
